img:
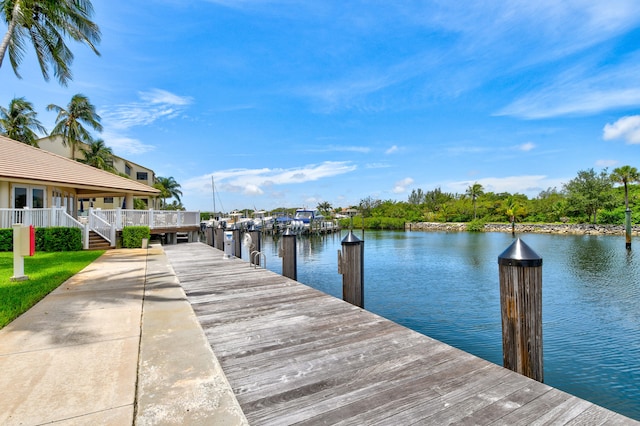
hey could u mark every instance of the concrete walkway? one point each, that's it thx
(116, 344)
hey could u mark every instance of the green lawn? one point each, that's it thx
(46, 271)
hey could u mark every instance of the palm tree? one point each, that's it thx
(19, 122)
(98, 155)
(474, 191)
(324, 207)
(69, 121)
(625, 175)
(168, 188)
(46, 23)
(512, 208)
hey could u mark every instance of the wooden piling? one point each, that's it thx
(627, 227)
(208, 233)
(256, 245)
(351, 266)
(237, 243)
(218, 238)
(521, 306)
(289, 256)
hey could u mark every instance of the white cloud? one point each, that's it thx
(401, 185)
(377, 166)
(486, 41)
(341, 148)
(391, 150)
(606, 163)
(154, 105)
(582, 90)
(253, 181)
(627, 128)
(122, 145)
(159, 96)
(527, 146)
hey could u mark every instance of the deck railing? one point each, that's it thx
(154, 219)
(40, 218)
(103, 222)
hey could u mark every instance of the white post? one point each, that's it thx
(18, 259)
(151, 224)
(85, 236)
(112, 235)
(118, 218)
(26, 219)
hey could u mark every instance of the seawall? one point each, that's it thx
(523, 228)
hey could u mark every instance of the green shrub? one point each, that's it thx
(47, 239)
(58, 238)
(132, 236)
(40, 239)
(6, 239)
(476, 226)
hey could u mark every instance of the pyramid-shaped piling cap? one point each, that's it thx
(350, 238)
(288, 233)
(519, 254)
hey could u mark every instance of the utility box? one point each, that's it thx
(229, 249)
(24, 244)
(27, 240)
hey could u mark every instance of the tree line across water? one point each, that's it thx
(591, 197)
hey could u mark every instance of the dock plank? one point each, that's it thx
(296, 355)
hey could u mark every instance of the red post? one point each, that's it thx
(32, 240)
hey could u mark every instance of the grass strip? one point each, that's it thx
(46, 271)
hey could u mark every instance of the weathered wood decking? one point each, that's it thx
(295, 355)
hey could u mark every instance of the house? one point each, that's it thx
(123, 166)
(36, 178)
(41, 188)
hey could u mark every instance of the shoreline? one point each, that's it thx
(523, 228)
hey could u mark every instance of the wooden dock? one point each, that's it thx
(295, 355)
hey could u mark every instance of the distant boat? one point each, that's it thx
(303, 219)
(262, 222)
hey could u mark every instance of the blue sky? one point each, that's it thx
(291, 103)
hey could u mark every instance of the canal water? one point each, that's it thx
(446, 286)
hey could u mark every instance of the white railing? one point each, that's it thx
(42, 218)
(103, 222)
(154, 219)
(101, 227)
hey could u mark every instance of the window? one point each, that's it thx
(19, 198)
(142, 176)
(127, 169)
(28, 196)
(37, 200)
(108, 200)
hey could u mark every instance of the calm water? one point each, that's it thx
(446, 286)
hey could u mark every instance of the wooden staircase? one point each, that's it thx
(96, 242)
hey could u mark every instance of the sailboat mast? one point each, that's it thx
(213, 191)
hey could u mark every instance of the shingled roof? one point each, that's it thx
(23, 163)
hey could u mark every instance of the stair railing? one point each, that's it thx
(101, 227)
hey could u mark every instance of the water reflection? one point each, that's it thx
(589, 254)
(446, 285)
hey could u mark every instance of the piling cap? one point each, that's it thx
(351, 239)
(519, 254)
(288, 233)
